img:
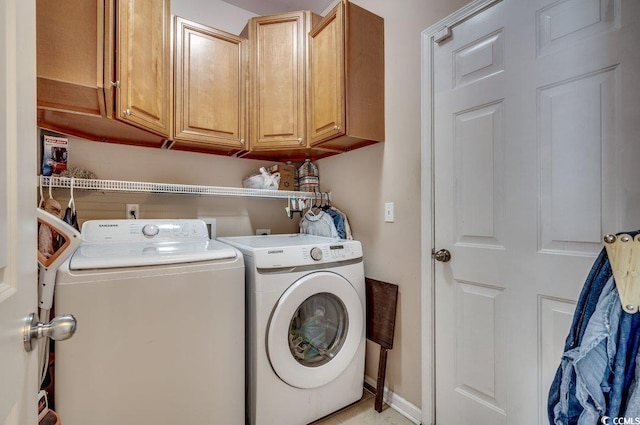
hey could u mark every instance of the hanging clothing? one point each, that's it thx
(320, 224)
(597, 375)
(341, 222)
(585, 369)
(338, 221)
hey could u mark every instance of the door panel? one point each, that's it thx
(18, 141)
(535, 123)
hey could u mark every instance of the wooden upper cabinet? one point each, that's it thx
(70, 36)
(346, 79)
(76, 47)
(211, 74)
(143, 64)
(278, 78)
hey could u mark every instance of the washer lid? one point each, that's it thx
(129, 243)
(114, 255)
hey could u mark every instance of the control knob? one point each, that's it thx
(150, 230)
(316, 253)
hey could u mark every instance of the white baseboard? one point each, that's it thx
(397, 403)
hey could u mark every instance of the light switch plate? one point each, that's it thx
(388, 212)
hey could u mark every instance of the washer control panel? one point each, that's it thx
(128, 231)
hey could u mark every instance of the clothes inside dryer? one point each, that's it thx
(318, 329)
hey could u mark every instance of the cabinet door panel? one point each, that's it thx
(326, 97)
(211, 67)
(143, 58)
(278, 87)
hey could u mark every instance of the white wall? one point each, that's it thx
(215, 13)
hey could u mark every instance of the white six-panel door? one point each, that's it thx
(534, 143)
(18, 140)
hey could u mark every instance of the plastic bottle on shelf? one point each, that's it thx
(296, 184)
(308, 177)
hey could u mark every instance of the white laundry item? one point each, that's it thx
(318, 224)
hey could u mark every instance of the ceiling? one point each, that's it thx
(272, 7)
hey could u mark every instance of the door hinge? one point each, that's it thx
(442, 35)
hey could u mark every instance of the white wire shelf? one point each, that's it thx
(171, 188)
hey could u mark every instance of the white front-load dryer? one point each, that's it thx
(306, 326)
(161, 326)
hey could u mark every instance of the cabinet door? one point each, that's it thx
(210, 82)
(278, 81)
(70, 56)
(326, 77)
(143, 64)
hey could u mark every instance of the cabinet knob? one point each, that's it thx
(300, 140)
(336, 128)
(116, 84)
(126, 112)
(242, 142)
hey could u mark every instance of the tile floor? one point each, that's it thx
(363, 413)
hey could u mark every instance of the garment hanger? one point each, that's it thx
(41, 201)
(288, 208)
(70, 215)
(327, 205)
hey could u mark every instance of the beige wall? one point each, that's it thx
(363, 180)
(360, 181)
(119, 162)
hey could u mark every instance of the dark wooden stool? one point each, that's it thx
(382, 299)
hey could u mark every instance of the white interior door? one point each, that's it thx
(534, 135)
(18, 281)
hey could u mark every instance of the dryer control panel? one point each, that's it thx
(328, 252)
(295, 250)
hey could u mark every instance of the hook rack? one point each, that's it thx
(298, 204)
(624, 256)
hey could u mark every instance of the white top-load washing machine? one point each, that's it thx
(161, 326)
(306, 326)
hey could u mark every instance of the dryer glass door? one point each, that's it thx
(318, 329)
(315, 330)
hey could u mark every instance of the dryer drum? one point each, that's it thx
(318, 329)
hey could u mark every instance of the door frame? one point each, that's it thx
(427, 202)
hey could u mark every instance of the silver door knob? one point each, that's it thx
(59, 328)
(442, 255)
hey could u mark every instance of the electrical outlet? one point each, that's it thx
(132, 211)
(263, 231)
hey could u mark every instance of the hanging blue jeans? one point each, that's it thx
(596, 280)
(625, 363)
(621, 369)
(633, 400)
(587, 367)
